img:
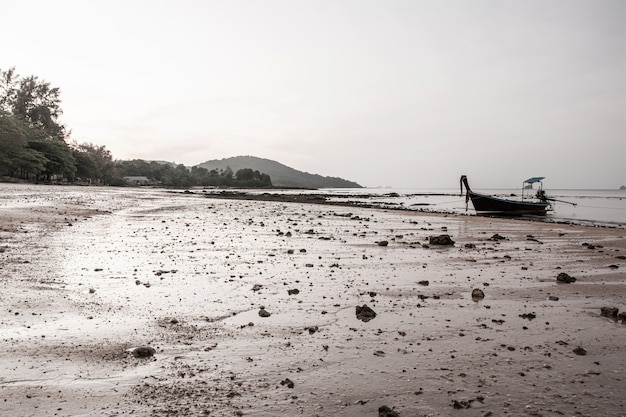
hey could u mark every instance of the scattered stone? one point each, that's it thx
(312, 329)
(528, 316)
(477, 294)
(497, 237)
(295, 291)
(470, 246)
(442, 240)
(264, 313)
(364, 313)
(424, 283)
(610, 312)
(288, 382)
(383, 243)
(565, 278)
(553, 298)
(143, 352)
(580, 351)
(613, 266)
(461, 404)
(257, 287)
(385, 411)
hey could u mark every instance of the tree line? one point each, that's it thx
(36, 147)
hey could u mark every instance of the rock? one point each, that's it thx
(295, 291)
(143, 352)
(443, 240)
(622, 317)
(580, 351)
(565, 278)
(470, 246)
(257, 287)
(528, 316)
(497, 237)
(312, 329)
(383, 243)
(288, 382)
(424, 283)
(264, 313)
(385, 411)
(364, 313)
(477, 294)
(610, 312)
(553, 298)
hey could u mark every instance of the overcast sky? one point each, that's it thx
(406, 94)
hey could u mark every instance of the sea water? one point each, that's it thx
(588, 207)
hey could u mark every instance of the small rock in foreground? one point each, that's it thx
(443, 240)
(477, 294)
(385, 411)
(143, 352)
(365, 313)
(565, 278)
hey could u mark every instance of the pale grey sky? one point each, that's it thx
(401, 93)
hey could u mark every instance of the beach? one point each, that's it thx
(279, 308)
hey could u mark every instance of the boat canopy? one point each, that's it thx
(534, 180)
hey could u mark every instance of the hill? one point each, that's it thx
(281, 175)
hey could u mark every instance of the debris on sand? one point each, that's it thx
(264, 313)
(143, 352)
(442, 240)
(365, 313)
(565, 278)
(580, 351)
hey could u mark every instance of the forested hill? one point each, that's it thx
(281, 175)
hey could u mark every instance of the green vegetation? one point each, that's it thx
(34, 147)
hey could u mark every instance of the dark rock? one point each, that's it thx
(295, 291)
(477, 294)
(470, 246)
(143, 352)
(312, 329)
(622, 317)
(553, 298)
(257, 287)
(364, 313)
(443, 240)
(385, 411)
(461, 404)
(264, 313)
(288, 382)
(580, 351)
(497, 237)
(610, 312)
(528, 316)
(565, 278)
(383, 243)
(424, 283)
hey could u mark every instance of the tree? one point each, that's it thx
(13, 142)
(61, 162)
(32, 100)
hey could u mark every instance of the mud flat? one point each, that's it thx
(250, 308)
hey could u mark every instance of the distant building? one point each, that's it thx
(137, 180)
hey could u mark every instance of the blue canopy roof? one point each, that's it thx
(534, 180)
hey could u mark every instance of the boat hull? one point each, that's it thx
(493, 205)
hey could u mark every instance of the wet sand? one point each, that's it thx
(89, 274)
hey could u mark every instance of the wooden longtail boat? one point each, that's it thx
(487, 204)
